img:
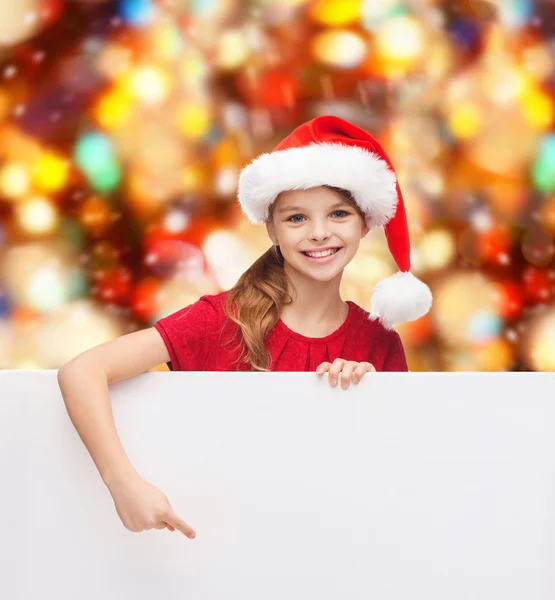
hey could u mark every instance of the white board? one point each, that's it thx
(409, 486)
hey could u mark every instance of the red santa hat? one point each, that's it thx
(331, 151)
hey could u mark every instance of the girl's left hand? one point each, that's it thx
(347, 368)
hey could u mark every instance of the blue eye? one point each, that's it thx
(333, 213)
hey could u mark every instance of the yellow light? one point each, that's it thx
(150, 84)
(193, 69)
(37, 216)
(50, 172)
(464, 121)
(537, 108)
(336, 12)
(232, 50)
(496, 355)
(14, 180)
(437, 249)
(195, 178)
(114, 109)
(166, 42)
(541, 343)
(339, 48)
(194, 120)
(400, 38)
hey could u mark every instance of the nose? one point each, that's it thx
(319, 230)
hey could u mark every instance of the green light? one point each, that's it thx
(543, 170)
(94, 154)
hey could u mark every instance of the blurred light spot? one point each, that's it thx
(437, 249)
(464, 120)
(400, 38)
(226, 181)
(232, 49)
(335, 12)
(149, 84)
(37, 216)
(137, 12)
(113, 109)
(194, 119)
(339, 48)
(14, 180)
(51, 172)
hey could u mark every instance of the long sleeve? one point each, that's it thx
(395, 359)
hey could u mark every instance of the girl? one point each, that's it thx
(319, 193)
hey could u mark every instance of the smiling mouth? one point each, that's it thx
(306, 251)
(321, 258)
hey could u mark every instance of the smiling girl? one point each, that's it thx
(319, 192)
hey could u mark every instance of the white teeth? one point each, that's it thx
(321, 254)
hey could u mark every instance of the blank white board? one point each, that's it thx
(409, 486)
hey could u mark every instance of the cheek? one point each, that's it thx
(291, 238)
(352, 238)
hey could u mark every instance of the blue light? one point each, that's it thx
(137, 12)
(4, 305)
(466, 33)
(515, 13)
(485, 326)
(203, 8)
(79, 286)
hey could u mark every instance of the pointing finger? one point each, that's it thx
(180, 525)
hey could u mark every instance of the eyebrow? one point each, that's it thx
(288, 208)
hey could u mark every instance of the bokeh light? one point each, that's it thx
(14, 180)
(37, 216)
(540, 346)
(121, 146)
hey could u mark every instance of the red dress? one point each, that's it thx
(193, 337)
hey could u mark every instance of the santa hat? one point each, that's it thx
(331, 151)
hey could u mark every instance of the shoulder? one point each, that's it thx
(385, 347)
(213, 303)
(207, 310)
(372, 327)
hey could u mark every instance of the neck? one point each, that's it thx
(315, 302)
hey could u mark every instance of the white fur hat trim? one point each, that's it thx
(366, 175)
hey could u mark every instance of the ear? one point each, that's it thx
(271, 232)
(364, 230)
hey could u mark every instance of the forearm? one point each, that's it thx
(85, 392)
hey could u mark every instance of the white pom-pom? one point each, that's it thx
(399, 298)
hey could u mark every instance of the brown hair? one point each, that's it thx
(258, 297)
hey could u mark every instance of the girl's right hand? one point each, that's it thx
(141, 505)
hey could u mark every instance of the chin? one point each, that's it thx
(323, 276)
